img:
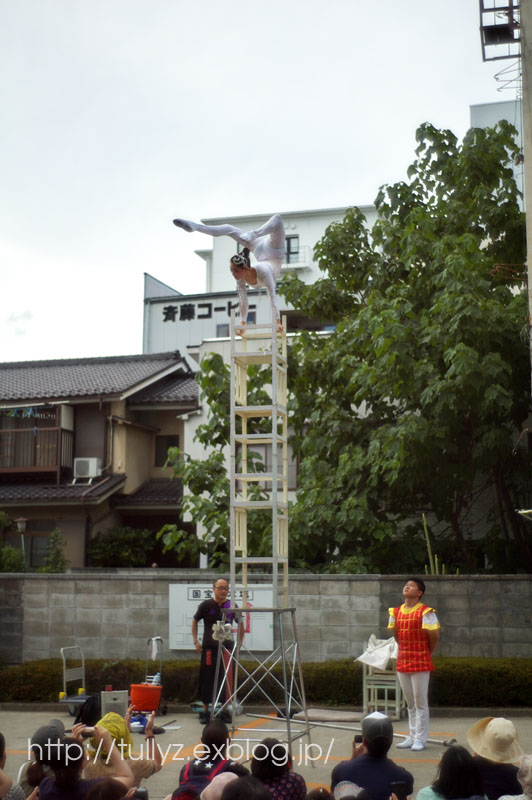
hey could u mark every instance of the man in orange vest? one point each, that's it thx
(416, 630)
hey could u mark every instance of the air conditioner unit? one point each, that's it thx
(87, 467)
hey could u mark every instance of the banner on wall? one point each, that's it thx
(184, 600)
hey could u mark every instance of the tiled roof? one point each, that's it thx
(18, 493)
(156, 492)
(174, 389)
(25, 381)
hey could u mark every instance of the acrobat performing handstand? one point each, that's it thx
(267, 244)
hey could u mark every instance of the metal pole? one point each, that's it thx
(526, 67)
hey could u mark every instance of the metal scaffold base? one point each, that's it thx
(274, 677)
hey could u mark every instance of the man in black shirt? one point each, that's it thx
(211, 612)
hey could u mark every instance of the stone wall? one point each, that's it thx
(112, 615)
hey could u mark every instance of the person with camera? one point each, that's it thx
(142, 765)
(370, 768)
(67, 761)
(268, 245)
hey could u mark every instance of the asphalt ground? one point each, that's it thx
(314, 760)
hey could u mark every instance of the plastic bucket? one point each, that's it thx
(145, 696)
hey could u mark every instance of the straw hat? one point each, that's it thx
(495, 738)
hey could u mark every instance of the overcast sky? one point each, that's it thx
(118, 116)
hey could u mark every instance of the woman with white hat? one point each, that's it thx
(496, 749)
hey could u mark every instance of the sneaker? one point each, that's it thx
(418, 745)
(408, 742)
(226, 717)
(204, 717)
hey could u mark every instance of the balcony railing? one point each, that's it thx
(299, 261)
(36, 450)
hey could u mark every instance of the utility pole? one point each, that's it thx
(526, 70)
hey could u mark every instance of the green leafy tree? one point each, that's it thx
(11, 559)
(121, 547)
(414, 403)
(5, 521)
(206, 481)
(55, 560)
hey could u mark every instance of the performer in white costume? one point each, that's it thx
(267, 244)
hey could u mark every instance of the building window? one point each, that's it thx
(39, 546)
(252, 317)
(292, 249)
(162, 444)
(222, 330)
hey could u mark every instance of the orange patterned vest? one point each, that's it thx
(412, 640)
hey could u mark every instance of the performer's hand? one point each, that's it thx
(197, 645)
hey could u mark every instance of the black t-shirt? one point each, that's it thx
(498, 779)
(211, 612)
(48, 789)
(373, 774)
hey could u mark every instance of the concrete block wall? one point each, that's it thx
(11, 619)
(489, 616)
(111, 615)
(335, 614)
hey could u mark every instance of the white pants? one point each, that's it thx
(415, 686)
(266, 243)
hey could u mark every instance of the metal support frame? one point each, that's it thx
(500, 29)
(261, 674)
(260, 345)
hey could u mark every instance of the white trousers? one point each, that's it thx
(266, 243)
(415, 686)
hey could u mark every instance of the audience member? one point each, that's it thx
(495, 747)
(321, 793)
(345, 790)
(272, 765)
(67, 762)
(457, 778)
(197, 774)
(142, 766)
(246, 788)
(524, 776)
(213, 791)
(369, 768)
(107, 789)
(34, 771)
(8, 789)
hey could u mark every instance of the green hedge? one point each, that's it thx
(469, 682)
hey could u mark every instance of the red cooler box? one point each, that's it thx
(145, 696)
